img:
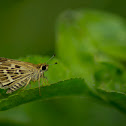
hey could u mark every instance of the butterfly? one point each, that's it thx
(16, 74)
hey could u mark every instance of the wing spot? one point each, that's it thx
(1, 75)
(17, 85)
(15, 77)
(6, 64)
(10, 72)
(3, 67)
(13, 88)
(2, 59)
(4, 78)
(1, 72)
(7, 84)
(22, 71)
(17, 66)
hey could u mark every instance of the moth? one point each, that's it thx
(16, 74)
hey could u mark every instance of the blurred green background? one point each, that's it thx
(28, 27)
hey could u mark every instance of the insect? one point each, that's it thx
(16, 74)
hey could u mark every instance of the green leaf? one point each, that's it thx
(95, 49)
(72, 87)
(69, 88)
(115, 99)
(92, 32)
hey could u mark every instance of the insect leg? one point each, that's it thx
(45, 79)
(39, 85)
(27, 83)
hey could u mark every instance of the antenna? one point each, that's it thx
(52, 64)
(51, 58)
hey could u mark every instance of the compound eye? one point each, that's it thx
(44, 68)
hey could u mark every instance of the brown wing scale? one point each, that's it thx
(17, 85)
(14, 74)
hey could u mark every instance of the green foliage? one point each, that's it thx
(95, 49)
(91, 54)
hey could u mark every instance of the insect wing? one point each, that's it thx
(14, 74)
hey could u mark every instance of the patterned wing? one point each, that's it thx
(18, 84)
(14, 74)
